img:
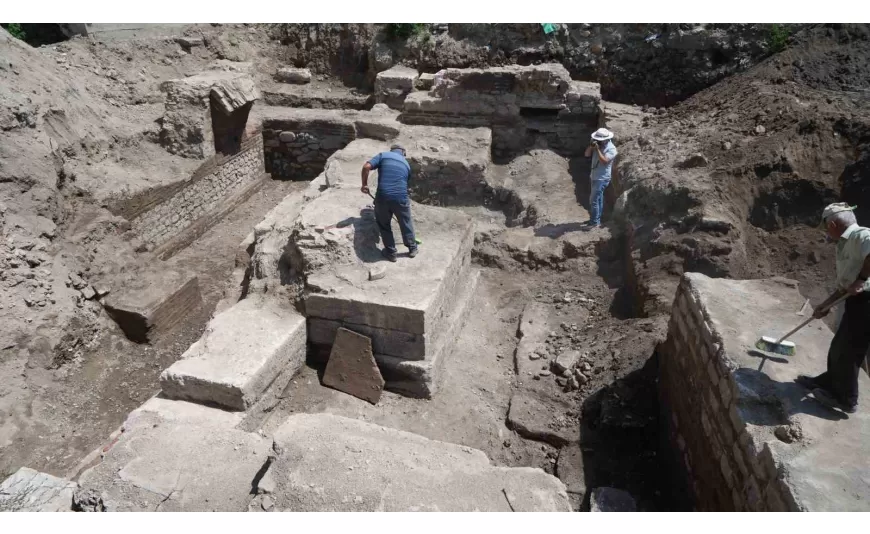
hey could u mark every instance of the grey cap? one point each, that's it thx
(397, 147)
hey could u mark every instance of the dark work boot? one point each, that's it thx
(826, 398)
(413, 252)
(389, 255)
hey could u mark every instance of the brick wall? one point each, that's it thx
(722, 467)
(218, 178)
(298, 149)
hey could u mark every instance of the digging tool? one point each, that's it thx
(787, 348)
(416, 239)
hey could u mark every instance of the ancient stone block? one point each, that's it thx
(151, 304)
(177, 456)
(27, 490)
(611, 500)
(531, 415)
(243, 351)
(324, 461)
(569, 469)
(293, 75)
(352, 367)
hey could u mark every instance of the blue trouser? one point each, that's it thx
(596, 200)
(384, 211)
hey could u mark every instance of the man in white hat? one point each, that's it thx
(837, 387)
(602, 151)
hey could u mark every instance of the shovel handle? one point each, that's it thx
(803, 324)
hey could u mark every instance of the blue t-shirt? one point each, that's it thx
(393, 173)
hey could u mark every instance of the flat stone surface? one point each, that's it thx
(827, 470)
(531, 415)
(148, 304)
(569, 469)
(611, 500)
(352, 367)
(329, 463)
(337, 271)
(242, 352)
(28, 490)
(181, 457)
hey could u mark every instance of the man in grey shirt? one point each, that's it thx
(837, 387)
(602, 151)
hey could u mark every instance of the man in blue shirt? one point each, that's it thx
(392, 198)
(602, 151)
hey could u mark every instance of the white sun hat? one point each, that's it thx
(833, 209)
(602, 134)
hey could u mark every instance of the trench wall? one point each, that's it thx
(712, 450)
(218, 179)
(298, 149)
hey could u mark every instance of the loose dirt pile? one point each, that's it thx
(732, 181)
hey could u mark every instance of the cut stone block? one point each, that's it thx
(352, 368)
(149, 305)
(243, 351)
(425, 81)
(392, 85)
(176, 456)
(293, 75)
(569, 469)
(28, 490)
(611, 500)
(235, 93)
(326, 462)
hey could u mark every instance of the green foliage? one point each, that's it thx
(402, 32)
(15, 30)
(777, 38)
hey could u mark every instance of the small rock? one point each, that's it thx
(727, 145)
(268, 503)
(534, 356)
(561, 381)
(544, 373)
(789, 433)
(102, 291)
(580, 377)
(287, 137)
(89, 293)
(814, 257)
(377, 272)
(566, 360)
(760, 130)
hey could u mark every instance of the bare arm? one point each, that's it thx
(366, 169)
(601, 157)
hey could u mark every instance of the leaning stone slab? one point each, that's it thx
(27, 490)
(327, 462)
(242, 352)
(148, 305)
(176, 456)
(352, 367)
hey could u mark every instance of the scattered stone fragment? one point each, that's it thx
(88, 293)
(31, 491)
(189, 42)
(611, 500)
(352, 367)
(789, 433)
(377, 272)
(566, 360)
(760, 130)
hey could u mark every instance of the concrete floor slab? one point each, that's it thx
(178, 456)
(327, 462)
(242, 352)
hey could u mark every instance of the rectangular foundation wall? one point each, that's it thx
(298, 150)
(714, 453)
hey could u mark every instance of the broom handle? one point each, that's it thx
(803, 324)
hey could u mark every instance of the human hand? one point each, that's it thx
(856, 287)
(365, 190)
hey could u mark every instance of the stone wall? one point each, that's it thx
(217, 179)
(724, 471)
(298, 149)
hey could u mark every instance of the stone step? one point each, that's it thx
(243, 351)
(177, 456)
(326, 462)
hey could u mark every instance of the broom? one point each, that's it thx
(787, 348)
